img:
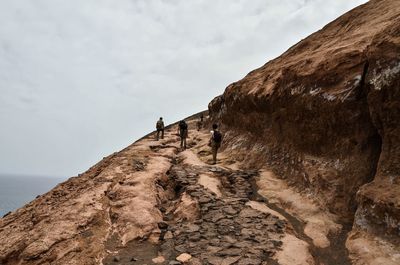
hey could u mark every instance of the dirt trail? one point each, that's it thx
(222, 229)
(217, 215)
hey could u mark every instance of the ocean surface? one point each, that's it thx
(16, 191)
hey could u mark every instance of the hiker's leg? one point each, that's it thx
(214, 154)
(181, 141)
(158, 135)
(162, 134)
(184, 141)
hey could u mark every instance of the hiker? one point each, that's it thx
(199, 125)
(215, 142)
(200, 122)
(160, 128)
(183, 133)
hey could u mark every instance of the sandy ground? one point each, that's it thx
(318, 223)
(210, 183)
(364, 247)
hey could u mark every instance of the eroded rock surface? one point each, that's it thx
(114, 201)
(324, 117)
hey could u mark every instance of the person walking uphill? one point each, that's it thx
(160, 128)
(183, 133)
(215, 142)
(200, 122)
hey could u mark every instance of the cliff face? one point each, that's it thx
(325, 116)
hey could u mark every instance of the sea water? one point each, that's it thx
(16, 191)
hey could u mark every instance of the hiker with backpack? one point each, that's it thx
(160, 128)
(215, 142)
(183, 133)
(200, 122)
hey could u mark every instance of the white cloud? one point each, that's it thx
(81, 79)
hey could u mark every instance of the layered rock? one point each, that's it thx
(325, 116)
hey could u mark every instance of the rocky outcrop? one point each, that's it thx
(324, 116)
(80, 220)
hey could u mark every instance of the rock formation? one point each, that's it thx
(324, 116)
(309, 172)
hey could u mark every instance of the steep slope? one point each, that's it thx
(72, 223)
(149, 204)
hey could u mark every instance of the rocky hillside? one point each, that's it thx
(309, 171)
(154, 203)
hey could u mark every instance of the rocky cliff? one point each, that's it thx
(325, 115)
(308, 174)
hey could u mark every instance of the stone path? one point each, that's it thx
(227, 230)
(224, 230)
(211, 215)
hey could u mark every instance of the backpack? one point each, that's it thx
(183, 126)
(160, 125)
(217, 137)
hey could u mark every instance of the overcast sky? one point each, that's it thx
(80, 79)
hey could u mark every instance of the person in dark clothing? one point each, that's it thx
(183, 133)
(215, 142)
(160, 128)
(199, 125)
(200, 122)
